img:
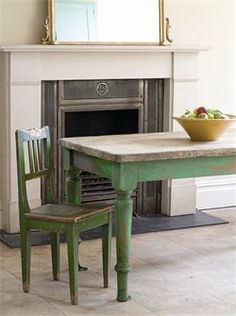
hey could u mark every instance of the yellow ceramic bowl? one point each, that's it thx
(205, 129)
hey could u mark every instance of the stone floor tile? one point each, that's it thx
(187, 302)
(226, 294)
(205, 305)
(14, 302)
(93, 303)
(187, 272)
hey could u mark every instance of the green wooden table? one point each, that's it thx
(129, 159)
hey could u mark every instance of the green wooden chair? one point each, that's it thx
(34, 153)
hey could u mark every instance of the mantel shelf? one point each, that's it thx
(101, 48)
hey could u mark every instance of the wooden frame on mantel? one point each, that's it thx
(51, 32)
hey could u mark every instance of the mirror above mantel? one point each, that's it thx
(119, 22)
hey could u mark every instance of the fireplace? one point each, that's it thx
(104, 107)
(26, 68)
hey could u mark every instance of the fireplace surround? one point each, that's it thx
(104, 107)
(25, 67)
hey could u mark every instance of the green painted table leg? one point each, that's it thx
(106, 250)
(124, 210)
(73, 194)
(73, 186)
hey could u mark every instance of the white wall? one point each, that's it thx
(22, 21)
(211, 23)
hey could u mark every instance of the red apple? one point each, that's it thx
(201, 109)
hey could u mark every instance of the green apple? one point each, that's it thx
(210, 115)
(217, 115)
(191, 115)
(215, 111)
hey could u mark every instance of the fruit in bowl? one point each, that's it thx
(205, 124)
(204, 113)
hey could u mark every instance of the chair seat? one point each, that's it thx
(65, 213)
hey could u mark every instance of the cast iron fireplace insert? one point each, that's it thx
(104, 107)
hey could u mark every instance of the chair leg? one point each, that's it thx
(106, 250)
(80, 267)
(73, 247)
(25, 259)
(55, 250)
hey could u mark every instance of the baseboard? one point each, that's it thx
(215, 192)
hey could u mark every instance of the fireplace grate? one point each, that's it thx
(97, 188)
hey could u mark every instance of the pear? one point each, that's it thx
(202, 116)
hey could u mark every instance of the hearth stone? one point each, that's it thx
(140, 225)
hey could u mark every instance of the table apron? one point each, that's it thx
(126, 175)
(186, 168)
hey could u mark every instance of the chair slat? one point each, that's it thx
(34, 134)
(39, 146)
(36, 174)
(36, 157)
(30, 155)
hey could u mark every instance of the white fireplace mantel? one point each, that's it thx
(101, 48)
(24, 67)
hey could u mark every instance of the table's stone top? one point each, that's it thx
(151, 146)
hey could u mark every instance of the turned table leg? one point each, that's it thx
(73, 194)
(124, 210)
(73, 186)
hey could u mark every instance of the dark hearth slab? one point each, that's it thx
(140, 225)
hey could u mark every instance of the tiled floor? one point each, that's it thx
(181, 272)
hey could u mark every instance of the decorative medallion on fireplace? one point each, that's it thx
(104, 107)
(102, 89)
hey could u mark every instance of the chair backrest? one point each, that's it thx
(34, 160)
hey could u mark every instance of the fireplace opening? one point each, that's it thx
(96, 123)
(104, 107)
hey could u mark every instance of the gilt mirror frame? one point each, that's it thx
(50, 31)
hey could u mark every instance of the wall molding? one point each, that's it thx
(186, 79)
(216, 192)
(25, 83)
